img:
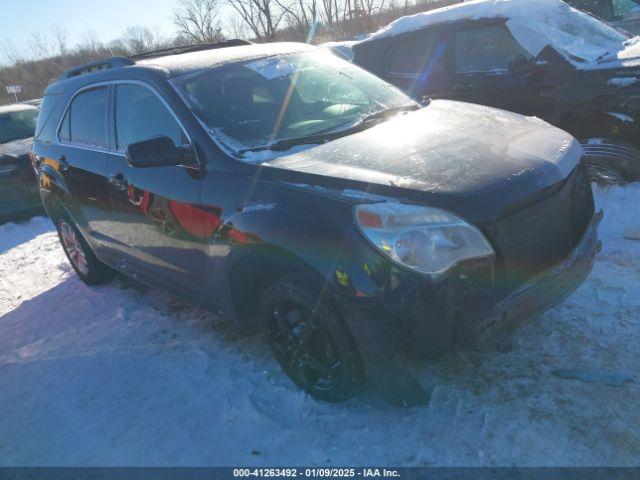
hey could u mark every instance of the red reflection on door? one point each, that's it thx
(197, 222)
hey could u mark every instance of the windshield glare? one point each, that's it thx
(255, 103)
(16, 125)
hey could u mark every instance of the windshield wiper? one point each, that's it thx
(287, 143)
(387, 112)
(322, 137)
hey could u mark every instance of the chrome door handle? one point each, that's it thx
(119, 182)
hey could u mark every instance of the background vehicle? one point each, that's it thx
(538, 57)
(623, 14)
(18, 188)
(304, 197)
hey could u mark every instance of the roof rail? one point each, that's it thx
(105, 63)
(234, 42)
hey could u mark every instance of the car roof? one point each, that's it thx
(183, 63)
(172, 64)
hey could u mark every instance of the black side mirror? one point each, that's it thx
(158, 152)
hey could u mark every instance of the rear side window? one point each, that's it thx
(424, 53)
(486, 49)
(65, 129)
(47, 122)
(85, 122)
(141, 115)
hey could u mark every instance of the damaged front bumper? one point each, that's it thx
(428, 318)
(538, 294)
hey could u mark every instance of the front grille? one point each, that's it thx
(538, 236)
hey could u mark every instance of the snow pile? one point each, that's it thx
(583, 39)
(123, 375)
(16, 107)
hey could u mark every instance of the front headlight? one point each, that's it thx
(425, 239)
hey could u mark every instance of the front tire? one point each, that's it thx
(82, 259)
(309, 340)
(610, 161)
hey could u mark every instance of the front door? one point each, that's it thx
(156, 218)
(483, 55)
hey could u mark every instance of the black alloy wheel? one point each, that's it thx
(310, 343)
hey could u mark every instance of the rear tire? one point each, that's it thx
(82, 259)
(309, 340)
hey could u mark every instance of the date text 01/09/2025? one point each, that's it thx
(316, 472)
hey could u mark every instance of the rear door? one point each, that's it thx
(156, 217)
(82, 160)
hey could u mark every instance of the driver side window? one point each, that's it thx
(141, 115)
(486, 49)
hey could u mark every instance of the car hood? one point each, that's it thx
(16, 148)
(458, 153)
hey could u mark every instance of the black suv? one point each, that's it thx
(534, 57)
(304, 197)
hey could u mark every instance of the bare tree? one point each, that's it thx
(138, 39)
(11, 52)
(89, 42)
(60, 39)
(39, 45)
(369, 7)
(330, 12)
(262, 17)
(197, 20)
(117, 47)
(236, 26)
(300, 14)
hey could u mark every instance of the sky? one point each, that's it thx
(107, 18)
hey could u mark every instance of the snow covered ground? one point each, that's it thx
(123, 375)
